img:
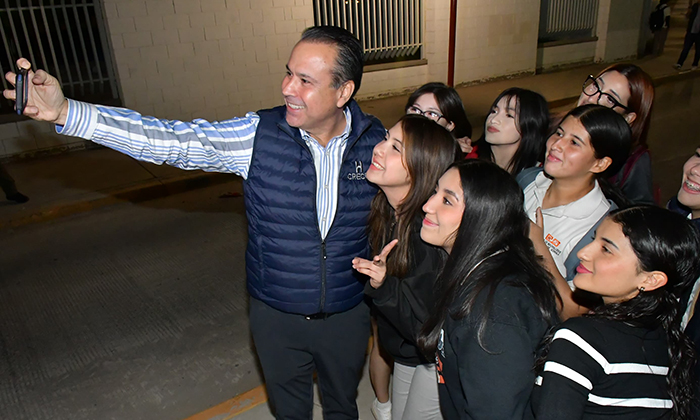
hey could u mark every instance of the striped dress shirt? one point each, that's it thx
(225, 146)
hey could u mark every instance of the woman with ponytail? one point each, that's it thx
(628, 359)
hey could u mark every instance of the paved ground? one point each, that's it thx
(115, 305)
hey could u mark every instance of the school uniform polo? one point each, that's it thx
(564, 226)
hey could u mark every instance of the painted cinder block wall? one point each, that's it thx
(216, 59)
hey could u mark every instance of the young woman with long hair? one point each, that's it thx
(629, 91)
(515, 130)
(564, 198)
(687, 204)
(406, 167)
(443, 105)
(628, 359)
(495, 301)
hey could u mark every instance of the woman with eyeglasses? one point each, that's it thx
(629, 91)
(443, 105)
(515, 130)
(628, 358)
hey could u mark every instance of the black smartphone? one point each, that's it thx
(22, 89)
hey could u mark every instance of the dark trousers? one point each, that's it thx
(7, 183)
(690, 40)
(291, 347)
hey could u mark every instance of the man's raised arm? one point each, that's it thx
(215, 147)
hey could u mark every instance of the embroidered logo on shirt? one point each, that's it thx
(359, 174)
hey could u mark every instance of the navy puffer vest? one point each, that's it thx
(288, 265)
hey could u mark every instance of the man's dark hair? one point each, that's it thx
(348, 64)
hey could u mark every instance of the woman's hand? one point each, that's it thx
(465, 143)
(375, 269)
(537, 234)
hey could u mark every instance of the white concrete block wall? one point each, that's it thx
(624, 29)
(496, 38)
(211, 59)
(549, 57)
(217, 59)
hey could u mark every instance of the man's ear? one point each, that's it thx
(630, 117)
(654, 280)
(601, 165)
(345, 93)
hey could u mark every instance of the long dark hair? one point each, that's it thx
(641, 99)
(493, 220)
(450, 105)
(609, 132)
(667, 242)
(532, 122)
(429, 149)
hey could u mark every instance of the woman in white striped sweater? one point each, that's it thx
(628, 359)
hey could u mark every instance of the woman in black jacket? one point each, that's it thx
(406, 167)
(494, 302)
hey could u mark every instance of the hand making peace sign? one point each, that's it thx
(375, 269)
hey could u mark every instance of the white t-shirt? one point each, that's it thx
(565, 225)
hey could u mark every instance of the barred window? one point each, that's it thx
(64, 37)
(562, 20)
(389, 30)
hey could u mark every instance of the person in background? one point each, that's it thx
(629, 91)
(659, 22)
(628, 358)
(515, 130)
(692, 37)
(443, 105)
(406, 167)
(7, 183)
(495, 302)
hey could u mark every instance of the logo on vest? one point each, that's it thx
(359, 174)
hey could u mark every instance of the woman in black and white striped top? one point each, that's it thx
(629, 358)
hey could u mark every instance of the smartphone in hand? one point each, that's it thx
(22, 89)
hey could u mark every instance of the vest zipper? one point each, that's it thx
(323, 275)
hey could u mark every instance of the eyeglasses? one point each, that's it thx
(435, 116)
(591, 88)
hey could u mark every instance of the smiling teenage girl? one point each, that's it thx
(628, 359)
(405, 166)
(565, 199)
(515, 130)
(687, 203)
(495, 302)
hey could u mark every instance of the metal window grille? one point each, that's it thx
(67, 38)
(566, 19)
(389, 30)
